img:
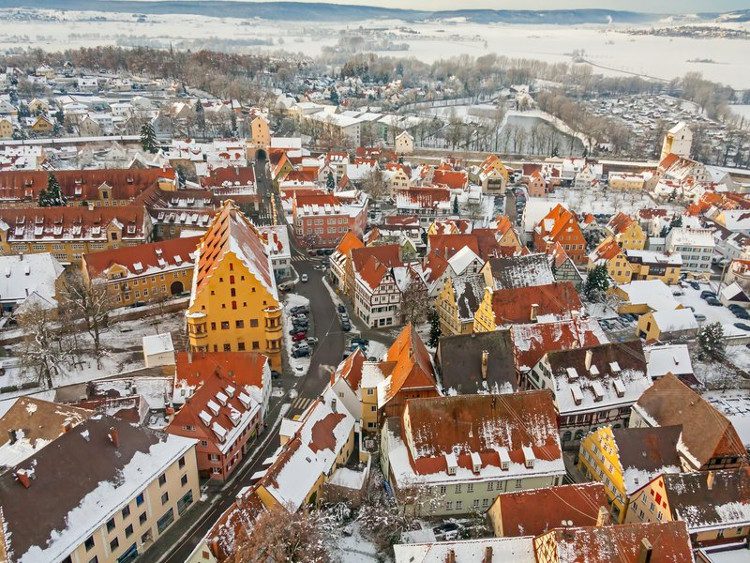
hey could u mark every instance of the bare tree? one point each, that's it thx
(44, 348)
(278, 535)
(374, 184)
(90, 303)
(414, 302)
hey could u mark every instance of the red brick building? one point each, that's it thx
(321, 220)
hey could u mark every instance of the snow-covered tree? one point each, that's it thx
(278, 535)
(597, 282)
(52, 196)
(89, 302)
(330, 181)
(455, 205)
(43, 349)
(148, 138)
(711, 340)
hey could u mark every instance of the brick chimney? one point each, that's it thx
(114, 437)
(450, 556)
(603, 518)
(487, 554)
(589, 358)
(710, 480)
(23, 478)
(485, 361)
(534, 310)
(646, 550)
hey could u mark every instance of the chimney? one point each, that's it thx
(66, 426)
(23, 478)
(485, 361)
(534, 309)
(12, 436)
(603, 518)
(333, 404)
(589, 358)
(487, 554)
(114, 437)
(450, 557)
(644, 555)
(710, 480)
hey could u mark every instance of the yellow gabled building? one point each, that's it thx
(625, 459)
(457, 303)
(627, 232)
(234, 304)
(611, 255)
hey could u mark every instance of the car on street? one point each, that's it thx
(298, 336)
(700, 318)
(344, 317)
(311, 340)
(340, 308)
(275, 374)
(742, 326)
(304, 278)
(739, 312)
(346, 326)
(694, 285)
(299, 309)
(706, 294)
(300, 352)
(328, 251)
(320, 252)
(358, 340)
(713, 302)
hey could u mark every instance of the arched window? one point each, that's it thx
(234, 304)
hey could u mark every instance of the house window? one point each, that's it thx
(254, 323)
(110, 524)
(125, 512)
(165, 498)
(164, 522)
(162, 479)
(227, 347)
(129, 531)
(181, 462)
(459, 504)
(114, 544)
(142, 519)
(518, 483)
(183, 480)
(449, 505)
(89, 543)
(239, 324)
(256, 345)
(224, 325)
(241, 346)
(139, 500)
(458, 488)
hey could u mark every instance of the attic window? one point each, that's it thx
(476, 462)
(221, 397)
(528, 456)
(502, 453)
(572, 374)
(214, 407)
(451, 462)
(614, 367)
(619, 388)
(229, 390)
(593, 370)
(598, 390)
(244, 399)
(575, 390)
(205, 417)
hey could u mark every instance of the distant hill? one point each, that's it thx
(298, 11)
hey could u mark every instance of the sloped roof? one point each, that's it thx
(536, 511)
(245, 368)
(623, 543)
(645, 452)
(412, 366)
(706, 433)
(145, 258)
(724, 503)
(521, 271)
(532, 341)
(374, 262)
(349, 242)
(231, 231)
(240, 175)
(351, 369)
(620, 223)
(606, 250)
(515, 305)
(460, 360)
(448, 245)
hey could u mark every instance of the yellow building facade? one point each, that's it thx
(6, 129)
(234, 305)
(598, 460)
(484, 318)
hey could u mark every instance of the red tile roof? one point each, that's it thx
(245, 368)
(434, 266)
(532, 341)
(455, 179)
(606, 250)
(412, 367)
(534, 512)
(150, 258)
(80, 185)
(513, 306)
(229, 176)
(374, 262)
(620, 223)
(482, 424)
(351, 369)
(349, 242)
(447, 245)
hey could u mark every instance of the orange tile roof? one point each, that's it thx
(514, 305)
(620, 223)
(668, 161)
(151, 258)
(349, 242)
(447, 245)
(452, 178)
(234, 175)
(373, 262)
(246, 368)
(532, 341)
(232, 231)
(606, 250)
(561, 220)
(534, 512)
(351, 369)
(434, 266)
(413, 367)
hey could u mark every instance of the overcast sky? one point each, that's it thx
(661, 6)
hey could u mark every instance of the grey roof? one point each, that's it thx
(459, 359)
(513, 272)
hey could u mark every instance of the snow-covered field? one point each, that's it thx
(604, 45)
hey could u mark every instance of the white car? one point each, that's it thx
(304, 278)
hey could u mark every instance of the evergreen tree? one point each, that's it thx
(597, 282)
(200, 117)
(330, 182)
(334, 96)
(711, 340)
(455, 205)
(52, 196)
(676, 222)
(434, 319)
(148, 138)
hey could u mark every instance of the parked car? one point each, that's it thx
(275, 374)
(298, 336)
(706, 293)
(299, 309)
(346, 326)
(677, 292)
(713, 302)
(344, 316)
(303, 278)
(358, 340)
(340, 308)
(740, 313)
(320, 252)
(311, 340)
(300, 352)
(694, 285)
(328, 251)
(742, 326)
